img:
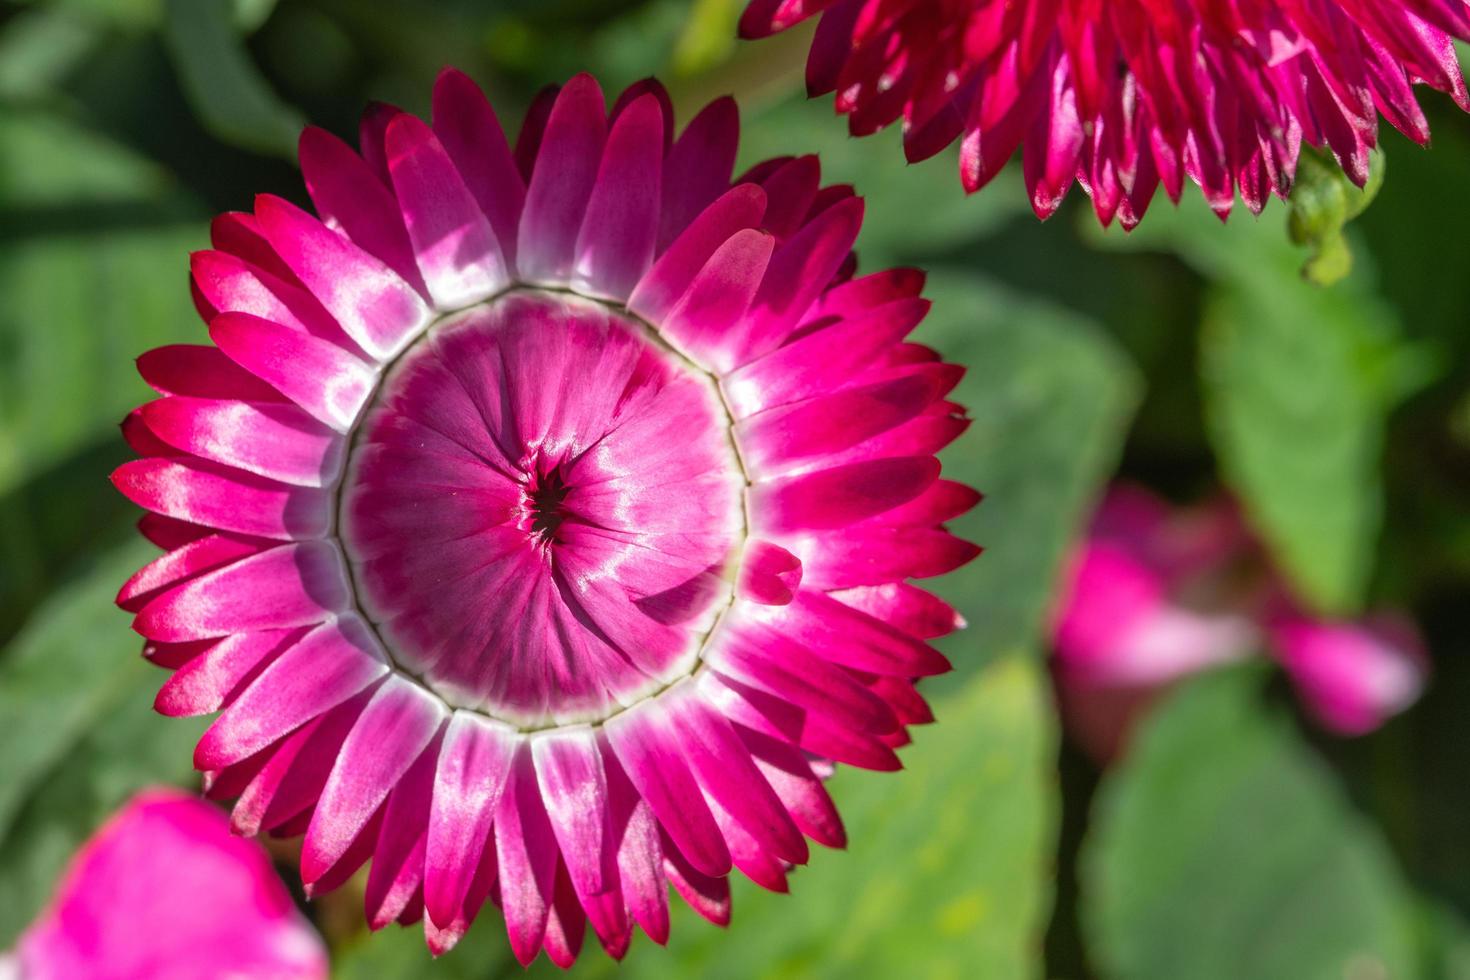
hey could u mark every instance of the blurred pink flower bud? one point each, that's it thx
(1125, 628)
(1352, 676)
(1156, 594)
(164, 891)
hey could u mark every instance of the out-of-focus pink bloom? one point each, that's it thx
(1155, 594)
(1125, 627)
(542, 514)
(1351, 676)
(1122, 626)
(1124, 96)
(164, 891)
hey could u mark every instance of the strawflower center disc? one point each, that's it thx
(541, 507)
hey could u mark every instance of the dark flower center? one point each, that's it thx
(547, 496)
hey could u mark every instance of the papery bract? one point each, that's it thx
(1125, 96)
(542, 520)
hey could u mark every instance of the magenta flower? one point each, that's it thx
(1352, 676)
(164, 891)
(1155, 595)
(541, 521)
(1125, 95)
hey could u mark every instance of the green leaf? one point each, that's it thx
(39, 47)
(1051, 397)
(80, 733)
(94, 246)
(709, 35)
(946, 871)
(1221, 847)
(227, 91)
(1297, 384)
(1444, 939)
(1299, 432)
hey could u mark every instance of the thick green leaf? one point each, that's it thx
(1297, 383)
(80, 733)
(1299, 433)
(77, 309)
(1222, 848)
(1050, 397)
(1444, 939)
(227, 91)
(40, 46)
(945, 874)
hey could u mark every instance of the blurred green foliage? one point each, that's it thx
(1232, 843)
(1221, 849)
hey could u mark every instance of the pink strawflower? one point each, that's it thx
(164, 891)
(1156, 594)
(542, 518)
(1125, 95)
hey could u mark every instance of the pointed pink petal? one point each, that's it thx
(839, 496)
(646, 746)
(325, 380)
(526, 848)
(698, 167)
(229, 499)
(186, 561)
(352, 199)
(373, 304)
(849, 637)
(277, 441)
(394, 728)
(292, 585)
(904, 607)
(232, 285)
(190, 369)
(779, 438)
(726, 772)
(739, 208)
(820, 361)
(455, 247)
(566, 925)
(874, 556)
(615, 244)
(474, 764)
(204, 684)
(799, 271)
(288, 784)
(574, 787)
(327, 667)
(710, 897)
(703, 322)
(472, 136)
(238, 233)
(561, 184)
(397, 871)
(639, 852)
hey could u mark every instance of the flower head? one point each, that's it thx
(1155, 595)
(541, 520)
(164, 890)
(1126, 95)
